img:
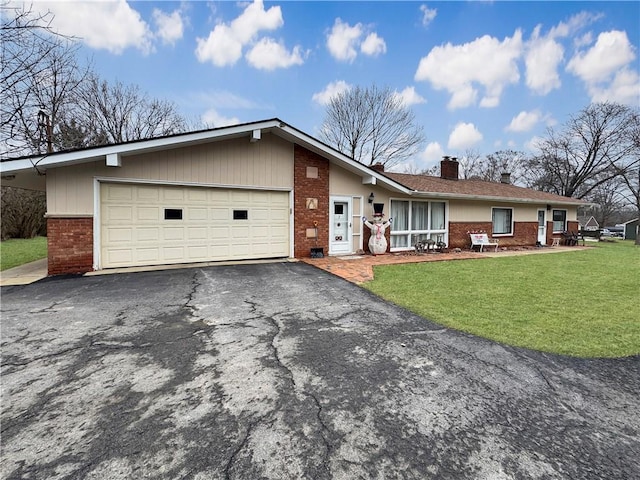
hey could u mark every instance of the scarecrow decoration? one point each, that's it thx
(377, 241)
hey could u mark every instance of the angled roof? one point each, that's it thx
(113, 153)
(478, 190)
(415, 185)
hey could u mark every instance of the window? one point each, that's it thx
(240, 214)
(173, 214)
(559, 220)
(502, 219)
(415, 221)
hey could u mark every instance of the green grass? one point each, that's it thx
(18, 251)
(583, 303)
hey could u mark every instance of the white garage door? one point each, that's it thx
(157, 225)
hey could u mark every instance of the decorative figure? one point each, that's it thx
(377, 241)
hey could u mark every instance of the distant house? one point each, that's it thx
(261, 190)
(591, 225)
(631, 229)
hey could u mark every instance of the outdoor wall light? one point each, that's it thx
(371, 197)
(548, 208)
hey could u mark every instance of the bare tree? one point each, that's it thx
(371, 126)
(120, 113)
(36, 64)
(594, 146)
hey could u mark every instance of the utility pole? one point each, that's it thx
(44, 122)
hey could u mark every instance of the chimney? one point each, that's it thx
(505, 177)
(378, 167)
(449, 168)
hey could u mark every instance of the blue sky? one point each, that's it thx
(478, 75)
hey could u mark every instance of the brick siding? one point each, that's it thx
(304, 188)
(525, 234)
(70, 245)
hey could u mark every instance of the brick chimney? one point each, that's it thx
(449, 168)
(505, 177)
(378, 167)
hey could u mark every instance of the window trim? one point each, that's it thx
(511, 233)
(409, 234)
(553, 222)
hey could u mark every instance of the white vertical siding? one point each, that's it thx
(264, 164)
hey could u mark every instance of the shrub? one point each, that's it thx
(22, 213)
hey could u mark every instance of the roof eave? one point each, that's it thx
(497, 198)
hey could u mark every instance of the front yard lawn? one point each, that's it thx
(18, 251)
(583, 303)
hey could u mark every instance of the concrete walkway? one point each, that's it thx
(24, 274)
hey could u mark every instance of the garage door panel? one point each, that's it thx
(173, 233)
(147, 254)
(144, 213)
(197, 214)
(148, 194)
(135, 231)
(118, 213)
(147, 234)
(119, 235)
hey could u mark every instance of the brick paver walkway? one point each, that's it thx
(359, 268)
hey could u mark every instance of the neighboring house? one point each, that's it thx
(591, 225)
(259, 190)
(631, 229)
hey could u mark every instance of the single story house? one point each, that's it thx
(259, 190)
(591, 225)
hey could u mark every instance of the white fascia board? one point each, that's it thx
(142, 146)
(292, 134)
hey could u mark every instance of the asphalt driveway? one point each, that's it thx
(285, 371)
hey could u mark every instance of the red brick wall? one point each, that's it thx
(70, 245)
(525, 234)
(304, 188)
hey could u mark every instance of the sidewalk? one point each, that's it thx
(359, 268)
(24, 274)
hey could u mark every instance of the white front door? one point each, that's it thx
(341, 228)
(542, 227)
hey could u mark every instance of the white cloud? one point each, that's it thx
(111, 26)
(373, 45)
(605, 69)
(409, 97)
(213, 119)
(332, 89)
(432, 152)
(611, 52)
(464, 135)
(524, 121)
(543, 55)
(428, 14)
(625, 89)
(170, 26)
(224, 45)
(268, 54)
(460, 68)
(221, 47)
(225, 99)
(343, 41)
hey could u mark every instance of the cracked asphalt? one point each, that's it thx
(283, 371)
